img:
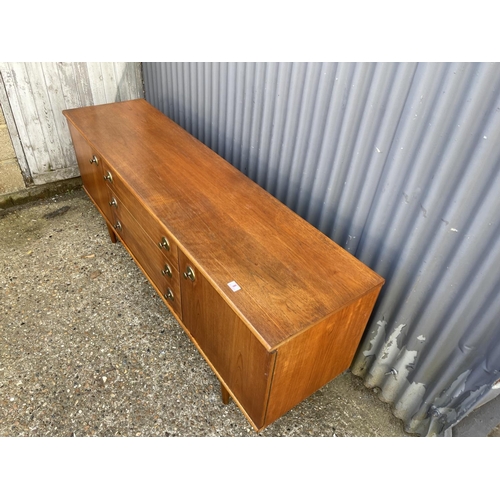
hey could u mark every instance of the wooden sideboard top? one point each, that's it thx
(291, 275)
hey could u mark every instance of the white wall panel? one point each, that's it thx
(34, 96)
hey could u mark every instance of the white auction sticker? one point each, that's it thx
(234, 286)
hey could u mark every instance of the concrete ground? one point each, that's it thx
(87, 348)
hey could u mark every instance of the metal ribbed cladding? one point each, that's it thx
(399, 164)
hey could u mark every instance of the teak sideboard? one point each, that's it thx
(276, 308)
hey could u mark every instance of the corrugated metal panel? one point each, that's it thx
(399, 164)
(37, 94)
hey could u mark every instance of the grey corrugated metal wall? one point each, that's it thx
(399, 164)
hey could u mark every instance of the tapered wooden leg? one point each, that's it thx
(112, 234)
(225, 394)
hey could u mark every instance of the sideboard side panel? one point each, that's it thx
(308, 361)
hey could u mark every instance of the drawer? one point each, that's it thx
(152, 226)
(152, 259)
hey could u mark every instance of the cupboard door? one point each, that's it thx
(91, 171)
(238, 358)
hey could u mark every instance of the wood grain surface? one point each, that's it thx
(145, 218)
(308, 361)
(92, 173)
(240, 360)
(275, 307)
(290, 275)
(150, 257)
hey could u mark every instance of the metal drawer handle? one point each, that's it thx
(94, 160)
(167, 271)
(113, 203)
(118, 226)
(189, 274)
(164, 244)
(108, 177)
(169, 295)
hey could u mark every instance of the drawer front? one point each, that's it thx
(152, 259)
(150, 224)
